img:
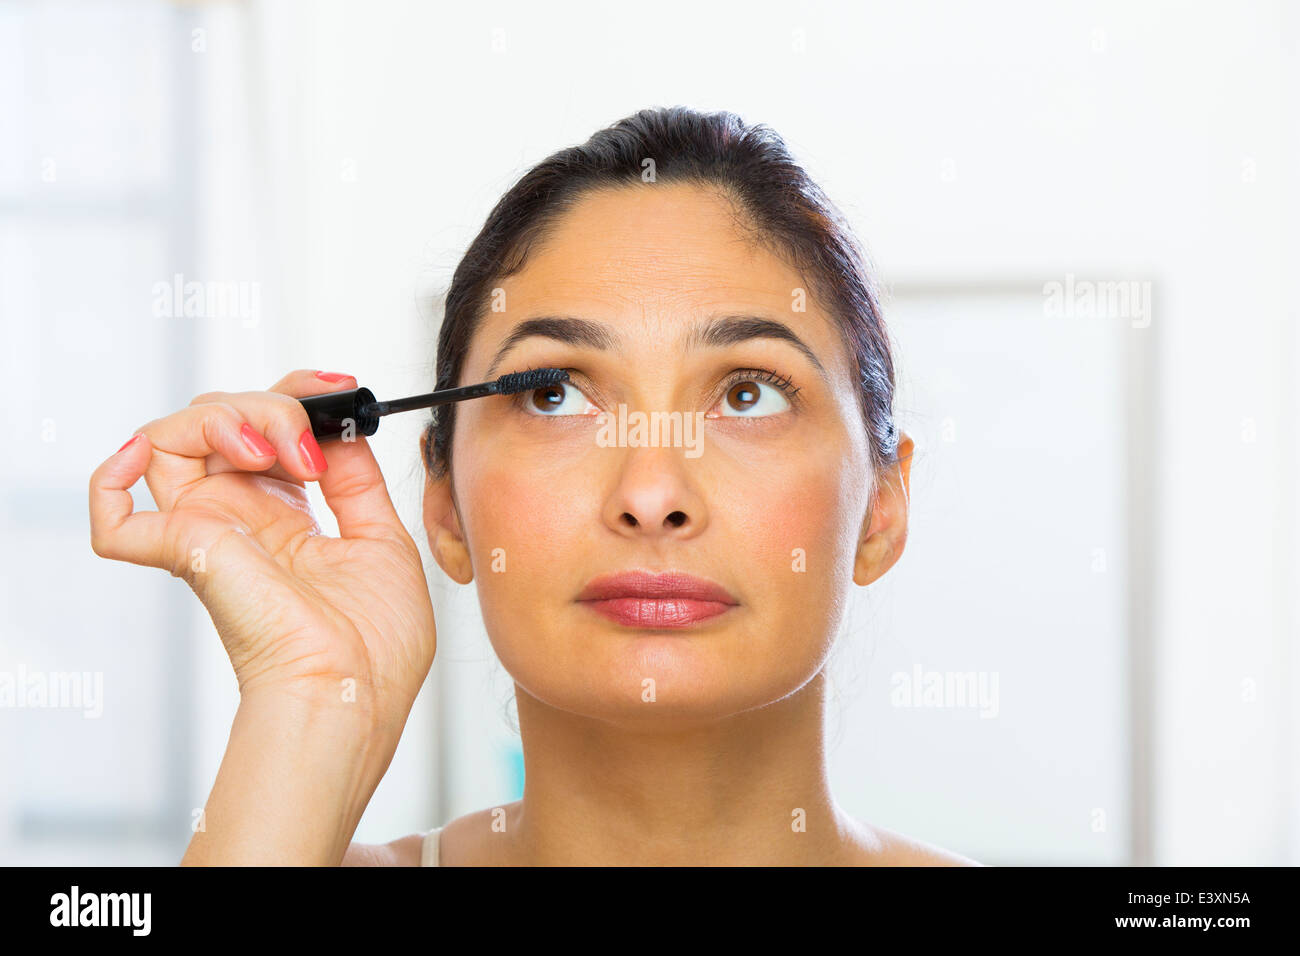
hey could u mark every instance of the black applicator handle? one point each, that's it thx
(332, 412)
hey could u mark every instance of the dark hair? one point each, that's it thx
(751, 166)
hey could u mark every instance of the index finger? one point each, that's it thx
(304, 382)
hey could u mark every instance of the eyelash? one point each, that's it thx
(767, 375)
(775, 379)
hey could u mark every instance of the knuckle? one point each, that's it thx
(179, 567)
(280, 409)
(290, 378)
(274, 399)
(288, 410)
(99, 544)
(354, 485)
(226, 413)
(173, 557)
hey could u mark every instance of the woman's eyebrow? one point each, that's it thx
(580, 332)
(722, 330)
(717, 331)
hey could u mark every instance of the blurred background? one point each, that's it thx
(1083, 219)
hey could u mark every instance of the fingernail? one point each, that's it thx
(128, 441)
(256, 443)
(332, 376)
(311, 452)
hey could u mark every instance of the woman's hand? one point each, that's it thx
(324, 619)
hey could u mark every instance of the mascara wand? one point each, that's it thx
(332, 413)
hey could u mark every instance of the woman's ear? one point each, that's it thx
(884, 534)
(442, 525)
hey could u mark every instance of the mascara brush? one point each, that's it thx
(332, 413)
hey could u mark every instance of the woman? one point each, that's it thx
(665, 612)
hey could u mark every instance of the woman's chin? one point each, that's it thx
(657, 680)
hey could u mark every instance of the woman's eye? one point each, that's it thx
(559, 399)
(753, 400)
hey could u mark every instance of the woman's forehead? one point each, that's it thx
(639, 241)
(653, 262)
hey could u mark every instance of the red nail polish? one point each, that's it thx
(332, 376)
(255, 442)
(128, 441)
(311, 453)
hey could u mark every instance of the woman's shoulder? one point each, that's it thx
(404, 851)
(880, 846)
(468, 840)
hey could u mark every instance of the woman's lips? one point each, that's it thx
(654, 600)
(657, 612)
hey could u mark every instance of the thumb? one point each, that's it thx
(355, 491)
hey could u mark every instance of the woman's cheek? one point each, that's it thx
(519, 529)
(521, 553)
(788, 507)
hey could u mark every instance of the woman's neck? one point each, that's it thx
(751, 789)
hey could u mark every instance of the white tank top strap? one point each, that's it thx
(429, 847)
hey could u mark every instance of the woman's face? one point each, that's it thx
(770, 499)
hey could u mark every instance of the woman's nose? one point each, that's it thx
(675, 519)
(655, 497)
